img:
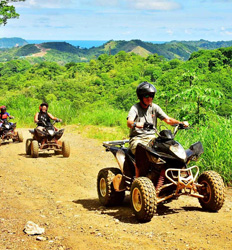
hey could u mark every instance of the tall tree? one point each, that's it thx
(196, 97)
(7, 10)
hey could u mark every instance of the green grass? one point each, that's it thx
(217, 144)
(103, 133)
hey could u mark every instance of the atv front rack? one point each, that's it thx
(185, 182)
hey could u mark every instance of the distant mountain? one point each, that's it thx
(204, 44)
(12, 42)
(60, 46)
(29, 49)
(63, 52)
(170, 50)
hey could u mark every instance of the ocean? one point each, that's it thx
(81, 43)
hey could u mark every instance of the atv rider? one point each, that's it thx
(4, 115)
(42, 118)
(146, 111)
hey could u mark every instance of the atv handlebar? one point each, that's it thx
(47, 125)
(179, 126)
(3, 121)
(149, 126)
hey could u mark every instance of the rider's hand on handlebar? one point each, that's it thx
(185, 123)
(139, 124)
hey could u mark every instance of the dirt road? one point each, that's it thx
(59, 194)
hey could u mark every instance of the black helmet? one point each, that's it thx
(43, 104)
(145, 88)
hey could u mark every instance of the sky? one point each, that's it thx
(147, 20)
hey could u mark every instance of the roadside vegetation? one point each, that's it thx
(97, 95)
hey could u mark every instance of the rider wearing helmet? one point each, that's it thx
(145, 112)
(42, 118)
(4, 115)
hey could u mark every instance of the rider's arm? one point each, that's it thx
(53, 117)
(132, 124)
(131, 118)
(36, 120)
(172, 121)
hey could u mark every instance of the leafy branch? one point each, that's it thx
(196, 97)
(7, 11)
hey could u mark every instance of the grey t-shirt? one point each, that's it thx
(139, 114)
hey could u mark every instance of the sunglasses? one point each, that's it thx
(149, 95)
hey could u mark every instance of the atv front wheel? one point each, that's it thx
(20, 136)
(213, 190)
(34, 149)
(143, 199)
(106, 192)
(65, 149)
(28, 146)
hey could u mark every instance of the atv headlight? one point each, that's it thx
(7, 126)
(178, 150)
(51, 132)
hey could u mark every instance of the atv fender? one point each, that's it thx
(32, 131)
(122, 182)
(118, 183)
(120, 157)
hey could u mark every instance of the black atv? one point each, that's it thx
(46, 138)
(158, 173)
(7, 132)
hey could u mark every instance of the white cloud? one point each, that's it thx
(188, 32)
(170, 32)
(154, 4)
(49, 4)
(161, 5)
(226, 31)
(107, 3)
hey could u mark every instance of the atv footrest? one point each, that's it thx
(115, 143)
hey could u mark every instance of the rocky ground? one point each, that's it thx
(59, 194)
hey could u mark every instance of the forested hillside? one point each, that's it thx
(63, 52)
(112, 80)
(101, 92)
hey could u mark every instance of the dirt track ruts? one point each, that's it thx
(59, 194)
